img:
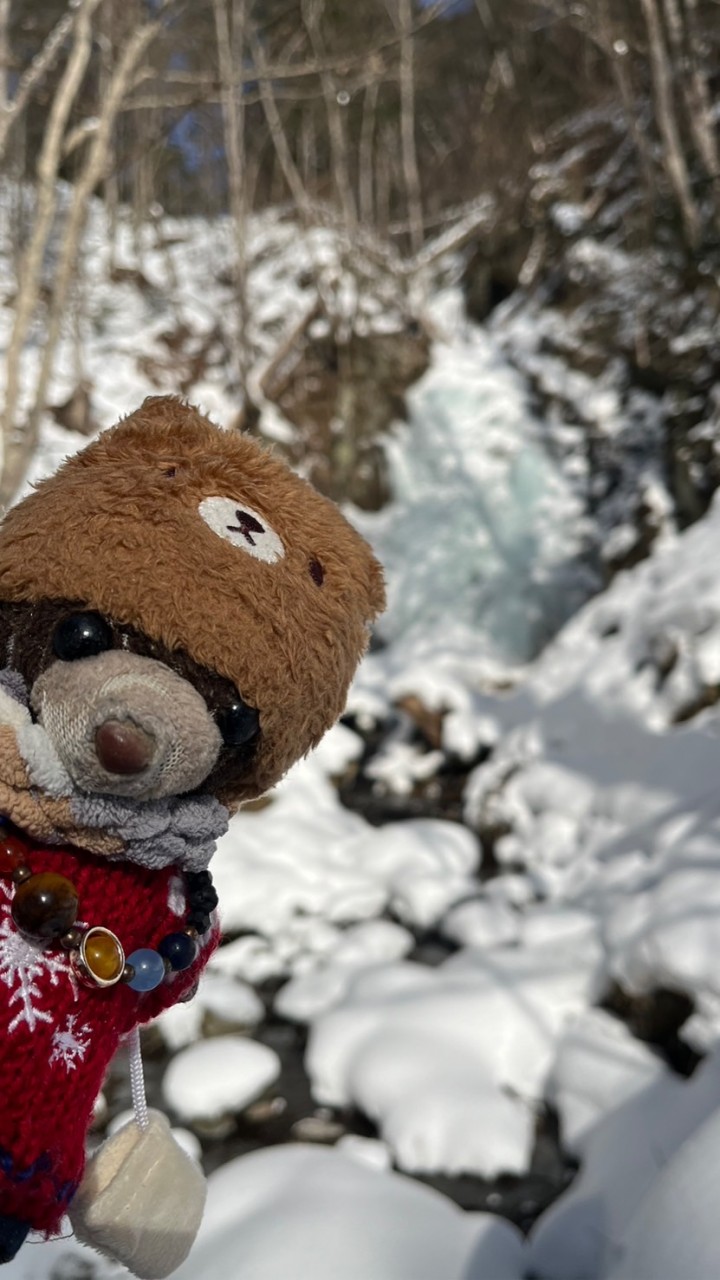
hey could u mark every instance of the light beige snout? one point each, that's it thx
(127, 726)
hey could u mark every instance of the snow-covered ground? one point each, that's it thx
(595, 768)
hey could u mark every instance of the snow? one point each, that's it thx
(598, 1066)
(485, 533)
(674, 1231)
(588, 854)
(302, 866)
(217, 1076)
(418, 1049)
(305, 1212)
(481, 923)
(580, 1235)
(223, 995)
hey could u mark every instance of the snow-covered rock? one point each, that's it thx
(217, 1076)
(313, 1214)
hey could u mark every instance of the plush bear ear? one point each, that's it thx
(161, 422)
(168, 411)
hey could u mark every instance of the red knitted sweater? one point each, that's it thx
(58, 1036)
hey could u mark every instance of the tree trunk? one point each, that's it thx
(673, 156)
(365, 154)
(231, 54)
(280, 143)
(91, 175)
(407, 126)
(12, 109)
(311, 11)
(690, 74)
(16, 447)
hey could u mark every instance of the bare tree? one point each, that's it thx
(365, 153)
(277, 132)
(4, 57)
(91, 174)
(407, 124)
(692, 83)
(14, 447)
(11, 109)
(673, 154)
(230, 28)
(312, 13)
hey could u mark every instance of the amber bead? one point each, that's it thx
(45, 906)
(12, 853)
(103, 956)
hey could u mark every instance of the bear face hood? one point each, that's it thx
(211, 549)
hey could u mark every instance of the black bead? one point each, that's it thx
(203, 900)
(179, 950)
(198, 879)
(201, 892)
(81, 635)
(237, 722)
(199, 920)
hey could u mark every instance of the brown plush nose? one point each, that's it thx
(122, 747)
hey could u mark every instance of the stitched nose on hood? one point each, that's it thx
(126, 725)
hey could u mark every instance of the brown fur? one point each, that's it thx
(117, 530)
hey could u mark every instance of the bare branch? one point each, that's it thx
(91, 175)
(673, 156)
(277, 132)
(11, 110)
(693, 86)
(365, 153)
(231, 49)
(4, 56)
(311, 11)
(13, 451)
(407, 125)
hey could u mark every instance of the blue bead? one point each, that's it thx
(180, 949)
(149, 969)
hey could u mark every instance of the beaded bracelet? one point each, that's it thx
(45, 906)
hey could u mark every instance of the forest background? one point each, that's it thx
(504, 130)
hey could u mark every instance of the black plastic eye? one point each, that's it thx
(81, 635)
(238, 723)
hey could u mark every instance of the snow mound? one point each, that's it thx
(579, 1237)
(217, 1076)
(313, 1214)
(450, 1061)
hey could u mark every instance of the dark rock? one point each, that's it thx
(439, 796)
(342, 397)
(521, 1200)
(76, 413)
(656, 1017)
(187, 358)
(492, 272)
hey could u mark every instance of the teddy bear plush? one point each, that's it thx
(180, 618)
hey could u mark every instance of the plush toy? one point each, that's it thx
(180, 617)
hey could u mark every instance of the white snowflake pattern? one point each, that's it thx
(22, 965)
(71, 1043)
(176, 896)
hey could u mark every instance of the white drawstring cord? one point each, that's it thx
(137, 1080)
